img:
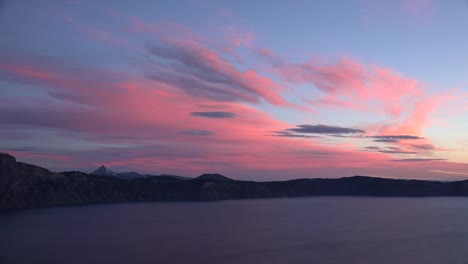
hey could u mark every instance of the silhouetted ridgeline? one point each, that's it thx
(24, 185)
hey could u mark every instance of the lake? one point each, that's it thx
(293, 230)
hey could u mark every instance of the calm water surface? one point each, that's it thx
(296, 230)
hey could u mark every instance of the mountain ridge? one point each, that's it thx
(103, 171)
(24, 185)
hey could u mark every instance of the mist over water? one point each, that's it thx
(294, 230)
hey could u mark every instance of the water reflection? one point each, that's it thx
(297, 230)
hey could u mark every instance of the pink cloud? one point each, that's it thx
(350, 84)
(419, 116)
(139, 112)
(218, 77)
(142, 119)
(416, 121)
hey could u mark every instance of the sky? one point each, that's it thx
(254, 90)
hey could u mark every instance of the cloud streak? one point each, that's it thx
(393, 138)
(203, 72)
(324, 129)
(416, 160)
(196, 132)
(214, 114)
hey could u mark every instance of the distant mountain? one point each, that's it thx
(103, 171)
(213, 177)
(24, 185)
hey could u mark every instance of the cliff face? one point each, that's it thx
(23, 185)
(8, 171)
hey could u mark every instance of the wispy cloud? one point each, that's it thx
(393, 138)
(416, 160)
(214, 114)
(203, 72)
(323, 129)
(196, 132)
